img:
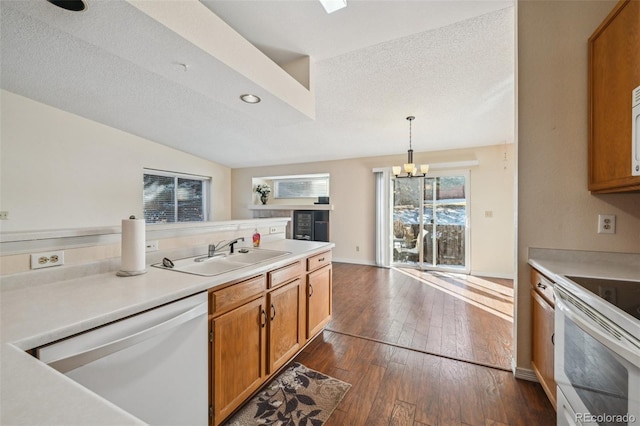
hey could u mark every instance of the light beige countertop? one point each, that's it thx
(616, 266)
(33, 393)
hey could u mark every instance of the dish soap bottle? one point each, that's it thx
(256, 238)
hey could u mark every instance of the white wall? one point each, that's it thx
(555, 209)
(353, 195)
(493, 238)
(60, 170)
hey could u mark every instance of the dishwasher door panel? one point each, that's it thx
(153, 365)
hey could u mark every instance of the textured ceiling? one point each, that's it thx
(449, 63)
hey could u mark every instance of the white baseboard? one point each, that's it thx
(492, 275)
(354, 261)
(525, 374)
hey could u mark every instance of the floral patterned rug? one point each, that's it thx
(298, 396)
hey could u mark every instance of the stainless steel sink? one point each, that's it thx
(219, 264)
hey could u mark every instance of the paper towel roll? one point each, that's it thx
(132, 256)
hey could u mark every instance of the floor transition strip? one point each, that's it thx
(468, 361)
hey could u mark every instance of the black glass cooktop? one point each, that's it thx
(623, 294)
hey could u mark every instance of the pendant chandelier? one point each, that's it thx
(409, 167)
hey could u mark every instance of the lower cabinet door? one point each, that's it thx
(319, 300)
(285, 333)
(239, 351)
(543, 346)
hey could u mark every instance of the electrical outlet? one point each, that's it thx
(4, 215)
(152, 246)
(47, 260)
(273, 230)
(608, 294)
(606, 224)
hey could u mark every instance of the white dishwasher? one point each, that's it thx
(153, 365)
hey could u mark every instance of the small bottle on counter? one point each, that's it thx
(256, 238)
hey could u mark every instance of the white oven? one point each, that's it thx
(597, 353)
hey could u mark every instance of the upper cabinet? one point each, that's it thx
(614, 71)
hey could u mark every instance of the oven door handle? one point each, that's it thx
(624, 347)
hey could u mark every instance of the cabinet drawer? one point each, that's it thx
(284, 274)
(318, 261)
(543, 286)
(235, 295)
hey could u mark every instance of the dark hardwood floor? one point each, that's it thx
(458, 316)
(388, 331)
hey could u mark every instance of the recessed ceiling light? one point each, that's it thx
(72, 5)
(250, 99)
(333, 5)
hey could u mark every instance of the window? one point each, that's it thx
(174, 197)
(301, 187)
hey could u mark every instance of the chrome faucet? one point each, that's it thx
(220, 246)
(215, 248)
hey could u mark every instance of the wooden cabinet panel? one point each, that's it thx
(239, 351)
(542, 332)
(543, 335)
(285, 332)
(284, 274)
(544, 286)
(319, 300)
(318, 261)
(614, 71)
(235, 295)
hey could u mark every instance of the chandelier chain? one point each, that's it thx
(410, 119)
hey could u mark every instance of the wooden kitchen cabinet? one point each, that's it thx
(238, 356)
(614, 71)
(257, 325)
(542, 317)
(318, 261)
(286, 305)
(285, 274)
(286, 314)
(319, 293)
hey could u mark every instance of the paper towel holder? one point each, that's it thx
(122, 273)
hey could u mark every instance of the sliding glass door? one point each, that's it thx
(407, 219)
(430, 217)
